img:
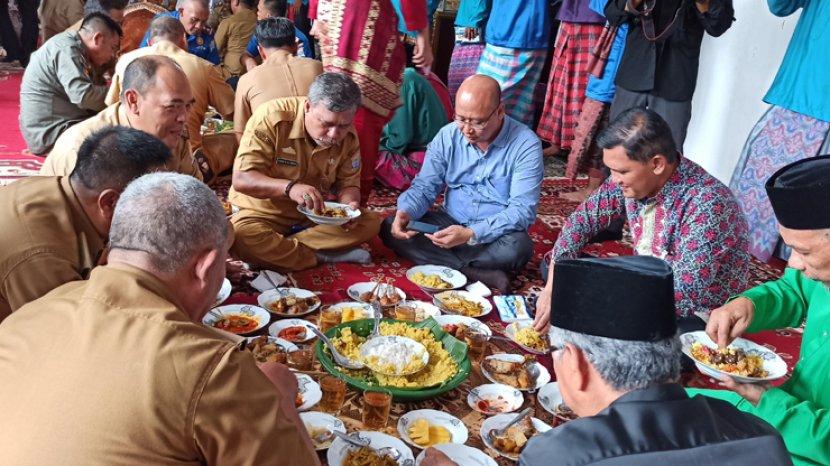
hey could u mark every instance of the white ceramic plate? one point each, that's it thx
(309, 390)
(358, 289)
(773, 364)
(424, 309)
(511, 330)
(285, 344)
(452, 319)
(351, 214)
(265, 299)
(485, 304)
(338, 450)
(224, 293)
(544, 375)
(390, 345)
(500, 420)
(318, 420)
(453, 277)
(458, 431)
(462, 455)
(277, 327)
(261, 315)
(550, 398)
(507, 398)
(366, 309)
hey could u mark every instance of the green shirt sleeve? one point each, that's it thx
(780, 303)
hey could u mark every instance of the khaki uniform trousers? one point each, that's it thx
(216, 154)
(263, 241)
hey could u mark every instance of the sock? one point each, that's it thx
(358, 255)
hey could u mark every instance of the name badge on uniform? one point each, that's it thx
(287, 162)
(355, 163)
(199, 41)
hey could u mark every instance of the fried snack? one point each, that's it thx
(367, 457)
(731, 360)
(528, 336)
(265, 351)
(333, 212)
(510, 373)
(292, 305)
(430, 281)
(458, 304)
(515, 437)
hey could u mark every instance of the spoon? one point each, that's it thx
(377, 315)
(391, 452)
(338, 358)
(496, 433)
(323, 437)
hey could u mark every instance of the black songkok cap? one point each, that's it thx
(800, 194)
(625, 298)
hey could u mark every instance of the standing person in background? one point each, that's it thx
(367, 48)
(274, 9)
(469, 42)
(517, 44)
(579, 30)
(19, 48)
(658, 69)
(796, 127)
(233, 34)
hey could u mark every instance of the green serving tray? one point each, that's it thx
(457, 350)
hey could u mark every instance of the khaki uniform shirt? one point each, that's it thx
(57, 15)
(276, 144)
(232, 38)
(61, 160)
(206, 83)
(111, 371)
(58, 90)
(46, 240)
(280, 75)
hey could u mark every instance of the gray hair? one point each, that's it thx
(336, 91)
(626, 365)
(169, 216)
(140, 75)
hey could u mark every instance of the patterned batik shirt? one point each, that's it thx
(693, 223)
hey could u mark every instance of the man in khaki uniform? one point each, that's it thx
(54, 228)
(112, 8)
(167, 38)
(233, 34)
(280, 75)
(57, 15)
(118, 369)
(295, 151)
(156, 99)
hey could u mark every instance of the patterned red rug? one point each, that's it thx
(14, 162)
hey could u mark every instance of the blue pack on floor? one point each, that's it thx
(512, 308)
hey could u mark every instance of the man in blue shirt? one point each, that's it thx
(194, 15)
(274, 9)
(491, 166)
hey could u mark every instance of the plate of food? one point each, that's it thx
(436, 278)
(394, 355)
(515, 370)
(413, 311)
(353, 310)
(743, 360)
(387, 294)
(515, 438)
(237, 318)
(423, 428)
(458, 326)
(293, 330)
(461, 454)
(308, 392)
(447, 368)
(551, 400)
(320, 427)
(495, 398)
(524, 335)
(343, 454)
(269, 349)
(463, 303)
(334, 213)
(224, 293)
(289, 302)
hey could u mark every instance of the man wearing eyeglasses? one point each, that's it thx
(491, 166)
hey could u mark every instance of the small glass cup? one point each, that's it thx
(376, 407)
(301, 359)
(334, 394)
(330, 317)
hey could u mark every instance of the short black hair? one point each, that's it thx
(642, 133)
(166, 27)
(140, 74)
(276, 8)
(112, 157)
(273, 33)
(103, 6)
(249, 4)
(100, 22)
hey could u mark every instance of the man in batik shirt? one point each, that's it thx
(675, 210)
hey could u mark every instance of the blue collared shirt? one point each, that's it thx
(493, 193)
(307, 51)
(519, 24)
(203, 45)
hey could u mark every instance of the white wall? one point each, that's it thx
(736, 71)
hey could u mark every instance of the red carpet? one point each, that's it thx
(14, 162)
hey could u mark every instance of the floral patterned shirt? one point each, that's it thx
(697, 228)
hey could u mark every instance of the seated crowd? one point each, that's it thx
(113, 255)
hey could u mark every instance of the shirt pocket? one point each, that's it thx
(287, 164)
(497, 189)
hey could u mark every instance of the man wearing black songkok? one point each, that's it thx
(800, 407)
(617, 357)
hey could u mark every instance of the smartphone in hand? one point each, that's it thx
(422, 227)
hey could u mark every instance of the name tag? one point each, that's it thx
(287, 162)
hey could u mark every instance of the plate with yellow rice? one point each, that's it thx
(524, 335)
(436, 278)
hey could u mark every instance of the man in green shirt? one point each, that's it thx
(800, 407)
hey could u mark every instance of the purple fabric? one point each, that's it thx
(578, 11)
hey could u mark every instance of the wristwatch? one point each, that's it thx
(472, 241)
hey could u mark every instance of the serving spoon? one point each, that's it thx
(338, 358)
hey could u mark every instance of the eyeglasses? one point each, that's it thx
(476, 125)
